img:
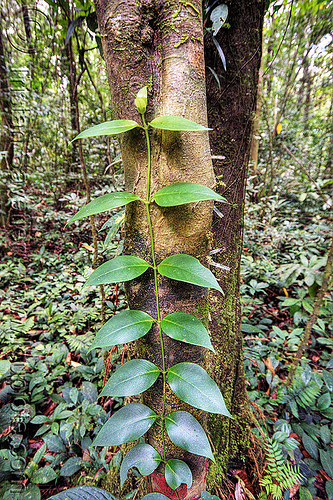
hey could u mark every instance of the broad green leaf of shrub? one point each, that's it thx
(123, 268)
(132, 378)
(142, 456)
(186, 432)
(104, 203)
(127, 424)
(122, 328)
(182, 267)
(44, 475)
(184, 192)
(186, 328)
(112, 127)
(177, 124)
(192, 384)
(176, 473)
(83, 493)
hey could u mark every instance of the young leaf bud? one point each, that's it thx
(141, 100)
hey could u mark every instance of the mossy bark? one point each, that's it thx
(231, 110)
(160, 44)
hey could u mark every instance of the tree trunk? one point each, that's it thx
(160, 44)
(7, 134)
(230, 114)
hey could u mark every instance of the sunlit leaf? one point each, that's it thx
(186, 432)
(181, 193)
(132, 378)
(192, 384)
(103, 203)
(142, 456)
(123, 268)
(127, 424)
(186, 268)
(186, 328)
(122, 328)
(112, 127)
(176, 123)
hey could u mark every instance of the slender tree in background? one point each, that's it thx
(6, 134)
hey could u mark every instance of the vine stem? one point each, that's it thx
(147, 203)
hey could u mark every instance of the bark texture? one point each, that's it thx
(160, 44)
(231, 111)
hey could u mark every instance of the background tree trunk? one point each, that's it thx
(230, 112)
(160, 44)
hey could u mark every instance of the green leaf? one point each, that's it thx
(192, 384)
(324, 401)
(325, 434)
(329, 489)
(176, 123)
(186, 268)
(123, 268)
(326, 458)
(44, 475)
(177, 472)
(71, 466)
(132, 378)
(310, 446)
(112, 127)
(304, 493)
(4, 367)
(328, 379)
(184, 192)
(186, 328)
(186, 432)
(54, 443)
(155, 496)
(83, 493)
(104, 203)
(142, 456)
(141, 100)
(122, 328)
(218, 17)
(127, 424)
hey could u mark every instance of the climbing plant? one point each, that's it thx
(188, 381)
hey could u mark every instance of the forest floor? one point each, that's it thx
(49, 383)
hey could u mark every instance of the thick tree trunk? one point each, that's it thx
(160, 44)
(7, 134)
(230, 113)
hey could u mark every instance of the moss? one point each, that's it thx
(111, 482)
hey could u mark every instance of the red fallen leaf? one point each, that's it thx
(295, 436)
(86, 455)
(50, 408)
(69, 358)
(326, 476)
(158, 484)
(7, 431)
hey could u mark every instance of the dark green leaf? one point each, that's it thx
(132, 378)
(324, 401)
(54, 443)
(71, 466)
(326, 458)
(186, 432)
(84, 493)
(177, 472)
(108, 128)
(142, 456)
(104, 203)
(74, 24)
(155, 496)
(184, 192)
(122, 328)
(310, 446)
(186, 328)
(186, 268)
(192, 384)
(325, 434)
(123, 268)
(89, 392)
(44, 475)
(304, 493)
(127, 424)
(329, 489)
(328, 379)
(176, 123)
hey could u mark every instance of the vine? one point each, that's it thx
(188, 381)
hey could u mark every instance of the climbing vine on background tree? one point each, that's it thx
(189, 381)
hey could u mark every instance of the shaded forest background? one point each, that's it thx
(53, 84)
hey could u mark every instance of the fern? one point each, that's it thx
(78, 342)
(304, 395)
(281, 476)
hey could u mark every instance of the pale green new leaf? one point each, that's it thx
(186, 432)
(181, 193)
(176, 473)
(186, 328)
(112, 127)
(127, 424)
(186, 268)
(192, 384)
(142, 456)
(132, 378)
(123, 268)
(104, 203)
(176, 123)
(122, 328)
